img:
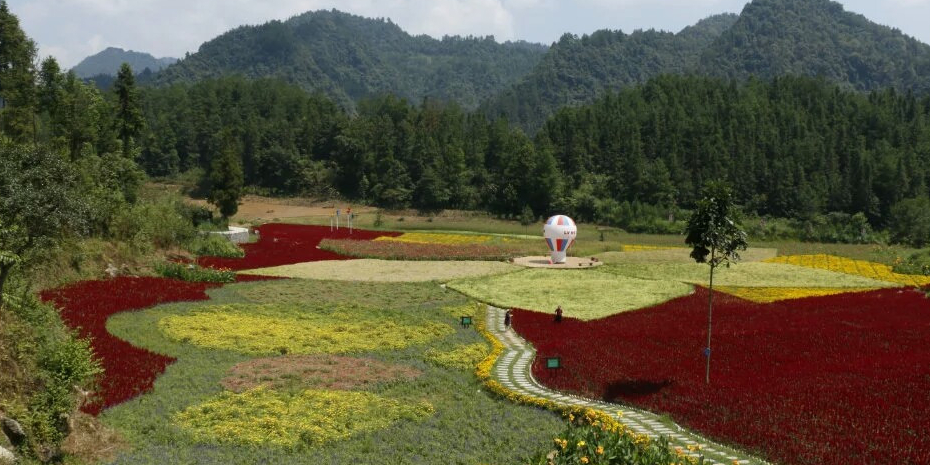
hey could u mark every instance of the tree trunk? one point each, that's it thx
(710, 315)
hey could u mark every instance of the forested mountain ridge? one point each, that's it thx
(108, 61)
(349, 57)
(818, 38)
(578, 69)
(768, 39)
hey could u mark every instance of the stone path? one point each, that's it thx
(513, 370)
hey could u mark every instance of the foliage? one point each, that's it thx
(713, 231)
(213, 245)
(299, 329)
(42, 363)
(350, 57)
(583, 294)
(386, 270)
(589, 442)
(864, 268)
(847, 358)
(38, 203)
(465, 357)
(194, 273)
(910, 222)
(128, 117)
(916, 264)
(284, 244)
(404, 250)
(308, 419)
(161, 222)
(226, 178)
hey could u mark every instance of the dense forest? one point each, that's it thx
(792, 147)
(350, 58)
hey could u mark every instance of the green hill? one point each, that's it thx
(350, 57)
(108, 61)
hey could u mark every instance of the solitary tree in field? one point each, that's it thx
(716, 239)
(226, 178)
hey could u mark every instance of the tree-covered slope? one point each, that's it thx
(818, 38)
(578, 69)
(349, 57)
(108, 62)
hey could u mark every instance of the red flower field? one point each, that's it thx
(824, 380)
(85, 306)
(284, 244)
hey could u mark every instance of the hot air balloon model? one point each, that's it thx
(560, 232)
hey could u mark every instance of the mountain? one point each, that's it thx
(768, 39)
(108, 62)
(577, 69)
(818, 38)
(350, 57)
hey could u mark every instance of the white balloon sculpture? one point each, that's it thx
(560, 232)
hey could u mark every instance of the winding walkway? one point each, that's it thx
(513, 370)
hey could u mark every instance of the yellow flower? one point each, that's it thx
(584, 460)
(581, 443)
(600, 450)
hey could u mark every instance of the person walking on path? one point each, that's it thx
(508, 317)
(558, 314)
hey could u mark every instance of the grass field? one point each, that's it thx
(182, 420)
(750, 274)
(387, 270)
(583, 294)
(676, 255)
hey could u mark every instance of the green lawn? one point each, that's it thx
(583, 294)
(462, 424)
(387, 270)
(749, 274)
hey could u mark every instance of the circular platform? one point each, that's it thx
(571, 263)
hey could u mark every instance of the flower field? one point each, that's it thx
(394, 250)
(128, 370)
(774, 294)
(436, 238)
(387, 270)
(299, 329)
(283, 244)
(298, 372)
(803, 381)
(585, 294)
(849, 266)
(310, 418)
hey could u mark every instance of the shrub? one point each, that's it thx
(918, 263)
(162, 222)
(194, 273)
(214, 245)
(586, 441)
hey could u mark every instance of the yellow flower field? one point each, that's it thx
(464, 357)
(774, 294)
(266, 329)
(310, 418)
(863, 268)
(431, 238)
(645, 248)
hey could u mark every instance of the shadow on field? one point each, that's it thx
(634, 388)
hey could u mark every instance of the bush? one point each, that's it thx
(163, 222)
(194, 273)
(584, 442)
(918, 263)
(910, 222)
(213, 245)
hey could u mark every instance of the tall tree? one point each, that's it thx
(226, 178)
(716, 239)
(37, 204)
(17, 79)
(129, 121)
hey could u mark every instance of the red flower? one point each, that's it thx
(804, 381)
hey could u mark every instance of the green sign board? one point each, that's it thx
(466, 321)
(553, 362)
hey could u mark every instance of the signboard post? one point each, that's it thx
(553, 363)
(466, 321)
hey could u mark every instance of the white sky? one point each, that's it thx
(73, 29)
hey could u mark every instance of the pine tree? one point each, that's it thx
(226, 179)
(17, 79)
(129, 121)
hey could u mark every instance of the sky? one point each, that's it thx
(70, 30)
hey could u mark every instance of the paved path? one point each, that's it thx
(513, 370)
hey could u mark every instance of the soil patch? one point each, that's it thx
(314, 371)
